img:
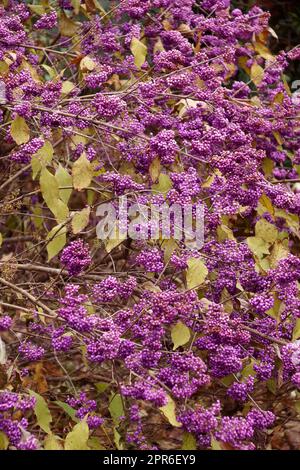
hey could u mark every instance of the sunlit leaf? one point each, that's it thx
(180, 335)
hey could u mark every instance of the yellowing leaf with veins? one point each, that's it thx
(169, 412)
(65, 183)
(41, 158)
(257, 74)
(78, 437)
(258, 246)
(196, 273)
(57, 240)
(87, 64)
(139, 51)
(52, 442)
(80, 220)
(180, 335)
(82, 172)
(266, 231)
(42, 412)
(19, 130)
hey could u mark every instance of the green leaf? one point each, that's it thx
(4, 442)
(169, 412)
(64, 179)
(52, 442)
(82, 173)
(58, 239)
(180, 335)
(139, 51)
(80, 220)
(19, 130)
(268, 232)
(196, 273)
(189, 442)
(68, 410)
(77, 438)
(101, 386)
(42, 412)
(116, 408)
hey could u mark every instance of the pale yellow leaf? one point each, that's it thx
(19, 130)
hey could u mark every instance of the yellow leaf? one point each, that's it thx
(42, 412)
(189, 442)
(296, 330)
(256, 74)
(164, 184)
(38, 9)
(279, 252)
(19, 130)
(50, 191)
(180, 335)
(80, 220)
(49, 188)
(87, 64)
(263, 51)
(76, 5)
(258, 246)
(224, 233)
(278, 137)
(78, 437)
(139, 51)
(154, 169)
(41, 158)
(196, 273)
(112, 243)
(4, 442)
(57, 240)
(67, 87)
(82, 173)
(67, 27)
(169, 246)
(266, 204)
(268, 232)
(1, 239)
(65, 183)
(169, 412)
(52, 442)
